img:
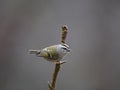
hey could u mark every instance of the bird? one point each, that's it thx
(54, 53)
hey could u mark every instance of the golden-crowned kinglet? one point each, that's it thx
(52, 53)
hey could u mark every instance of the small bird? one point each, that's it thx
(52, 53)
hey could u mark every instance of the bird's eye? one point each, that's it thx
(64, 50)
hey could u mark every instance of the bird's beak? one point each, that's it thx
(69, 50)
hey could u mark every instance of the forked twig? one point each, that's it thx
(52, 86)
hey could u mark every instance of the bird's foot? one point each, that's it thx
(60, 62)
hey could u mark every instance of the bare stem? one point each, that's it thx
(55, 74)
(52, 86)
(64, 33)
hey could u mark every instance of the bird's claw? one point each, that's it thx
(60, 62)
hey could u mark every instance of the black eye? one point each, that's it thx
(64, 50)
(68, 50)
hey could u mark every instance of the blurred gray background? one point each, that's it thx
(94, 37)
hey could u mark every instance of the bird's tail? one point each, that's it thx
(32, 51)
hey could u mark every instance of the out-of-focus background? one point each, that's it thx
(94, 37)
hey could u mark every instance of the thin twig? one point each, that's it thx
(55, 74)
(64, 33)
(52, 86)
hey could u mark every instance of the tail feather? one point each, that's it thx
(32, 51)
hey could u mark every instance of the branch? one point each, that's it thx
(64, 33)
(55, 74)
(52, 86)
